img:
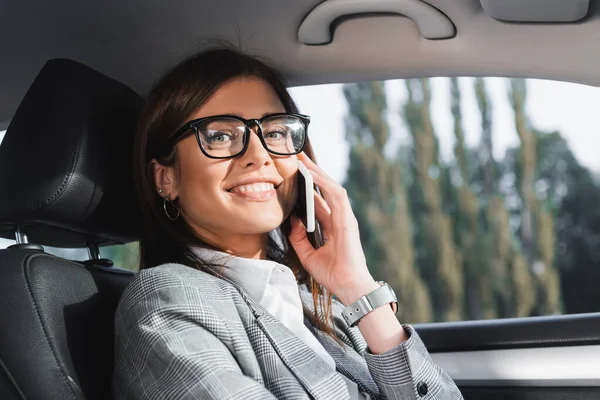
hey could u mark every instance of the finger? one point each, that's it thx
(299, 241)
(320, 201)
(322, 213)
(333, 193)
(311, 165)
(318, 172)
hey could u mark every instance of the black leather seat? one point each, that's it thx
(65, 181)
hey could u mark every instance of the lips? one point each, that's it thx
(258, 187)
(255, 188)
(254, 183)
(259, 191)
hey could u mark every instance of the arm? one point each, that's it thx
(397, 359)
(165, 351)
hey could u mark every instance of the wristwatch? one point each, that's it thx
(377, 298)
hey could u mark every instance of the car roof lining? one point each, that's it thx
(134, 41)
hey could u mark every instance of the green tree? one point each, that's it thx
(375, 187)
(442, 264)
(486, 148)
(566, 187)
(125, 256)
(480, 302)
(537, 223)
(508, 270)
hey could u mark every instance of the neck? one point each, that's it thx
(241, 245)
(250, 246)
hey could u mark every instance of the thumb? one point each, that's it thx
(299, 241)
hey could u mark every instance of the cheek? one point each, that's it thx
(198, 181)
(289, 195)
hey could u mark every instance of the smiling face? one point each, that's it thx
(233, 203)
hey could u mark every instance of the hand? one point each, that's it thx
(339, 265)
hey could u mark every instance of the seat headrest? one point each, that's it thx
(66, 160)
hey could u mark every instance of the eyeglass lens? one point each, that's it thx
(224, 137)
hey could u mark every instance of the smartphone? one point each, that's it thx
(305, 206)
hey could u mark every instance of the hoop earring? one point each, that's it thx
(165, 201)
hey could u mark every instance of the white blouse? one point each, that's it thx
(274, 287)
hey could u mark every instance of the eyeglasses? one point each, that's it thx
(227, 136)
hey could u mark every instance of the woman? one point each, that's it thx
(224, 306)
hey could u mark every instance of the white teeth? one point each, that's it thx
(254, 187)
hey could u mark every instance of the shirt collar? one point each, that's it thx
(250, 274)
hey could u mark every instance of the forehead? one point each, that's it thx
(247, 97)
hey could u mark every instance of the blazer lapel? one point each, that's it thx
(315, 375)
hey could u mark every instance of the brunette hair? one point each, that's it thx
(175, 97)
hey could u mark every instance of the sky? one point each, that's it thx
(567, 107)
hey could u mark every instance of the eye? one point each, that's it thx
(219, 138)
(276, 134)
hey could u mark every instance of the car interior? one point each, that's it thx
(72, 78)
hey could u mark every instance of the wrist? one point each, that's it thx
(356, 290)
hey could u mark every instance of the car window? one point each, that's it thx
(123, 256)
(80, 254)
(476, 198)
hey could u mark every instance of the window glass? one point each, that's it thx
(476, 198)
(69, 254)
(123, 256)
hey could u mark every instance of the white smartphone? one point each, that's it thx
(309, 196)
(305, 206)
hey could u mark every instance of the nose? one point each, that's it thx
(256, 154)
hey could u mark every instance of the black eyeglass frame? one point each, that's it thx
(249, 123)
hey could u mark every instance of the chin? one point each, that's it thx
(257, 224)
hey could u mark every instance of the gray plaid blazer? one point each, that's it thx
(185, 334)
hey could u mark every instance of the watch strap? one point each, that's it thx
(379, 297)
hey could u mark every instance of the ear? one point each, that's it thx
(165, 179)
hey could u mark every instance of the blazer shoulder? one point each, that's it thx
(171, 285)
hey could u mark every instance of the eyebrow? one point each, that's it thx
(262, 116)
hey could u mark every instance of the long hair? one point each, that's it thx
(175, 97)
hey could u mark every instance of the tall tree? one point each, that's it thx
(486, 148)
(567, 187)
(442, 261)
(480, 302)
(375, 187)
(508, 270)
(537, 224)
